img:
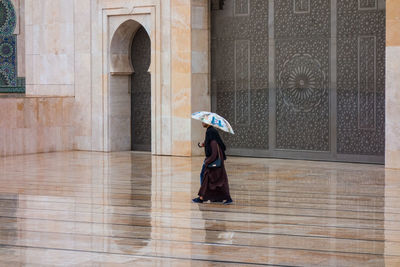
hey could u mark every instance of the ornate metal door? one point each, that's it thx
(301, 78)
(141, 92)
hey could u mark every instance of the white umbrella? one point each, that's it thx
(213, 119)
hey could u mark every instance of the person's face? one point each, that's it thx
(205, 125)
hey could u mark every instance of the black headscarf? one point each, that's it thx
(212, 134)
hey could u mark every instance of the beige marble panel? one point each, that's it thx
(166, 118)
(20, 28)
(36, 69)
(8, 112)
(82, 79)
(200, 62)
(29, 39)
(56, 69)
(56, 38)
(200, 14)
(392, 107)
(54, 90)
(36, 12)
(35, 39)
(181, 77)
(82, 108)
(82, 122)
(54, 11)
(82, 73)
(28, 12)
(50, 51)
(392, 155)
(82, 25)
(29, 72)
(97, 112)
(200, 91)
(120, 114)
(392, 23)
(200, 40)
(35, 125)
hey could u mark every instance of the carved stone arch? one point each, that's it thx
(120, 48)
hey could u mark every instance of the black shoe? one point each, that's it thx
(228, 202)
(197, 200)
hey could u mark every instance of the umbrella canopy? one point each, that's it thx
(213, 119)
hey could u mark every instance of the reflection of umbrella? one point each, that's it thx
(213, 119)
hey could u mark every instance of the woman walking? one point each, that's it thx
(214, 186)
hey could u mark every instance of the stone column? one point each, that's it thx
(189, 73)
(180, 78)
(200, 67)
(392, 84)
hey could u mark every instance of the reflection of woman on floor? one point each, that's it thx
(214, 185)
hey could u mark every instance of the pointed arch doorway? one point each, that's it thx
(141, 92)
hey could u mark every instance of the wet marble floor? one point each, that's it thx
(132, 209)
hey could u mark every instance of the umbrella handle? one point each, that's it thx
(199, 145)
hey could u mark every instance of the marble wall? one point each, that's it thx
(181, 77)
(41, 120)
(35, 124)
(67, 54)
(50, 47)
(392, 84)
(200, 68)
(173, 69)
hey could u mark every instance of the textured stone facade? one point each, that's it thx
(65, 51)
(69, 52)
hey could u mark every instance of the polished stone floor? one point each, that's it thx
(132, 209)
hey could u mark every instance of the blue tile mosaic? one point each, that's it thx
(9, 82)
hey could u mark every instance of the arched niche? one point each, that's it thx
(121, 70)
(120, 48)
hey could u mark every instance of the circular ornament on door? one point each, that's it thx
(302, 83)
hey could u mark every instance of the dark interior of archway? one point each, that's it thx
(141, 92)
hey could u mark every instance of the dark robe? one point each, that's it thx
(212, 134)
(215, 186)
